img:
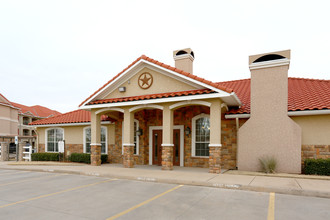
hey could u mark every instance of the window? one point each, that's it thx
(88, 137)
(200, 135)
(26, 132)
(53, 136)
(26, 120)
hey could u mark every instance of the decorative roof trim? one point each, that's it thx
(153, 101)
(271, 63)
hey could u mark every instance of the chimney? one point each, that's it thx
(270, 132)
(184, 59)
(269, 84)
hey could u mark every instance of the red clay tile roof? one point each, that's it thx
(303, 94)
(36, 110)
(152, 96)
(77, 116)
(215, 85)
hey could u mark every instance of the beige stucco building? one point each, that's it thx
(8, 118)
(155, 114)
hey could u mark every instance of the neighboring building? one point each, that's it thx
(8, 118)
(152, 113)
(28, 114)
(14, 120)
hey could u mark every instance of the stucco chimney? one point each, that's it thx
(269, 131)
(184, 59)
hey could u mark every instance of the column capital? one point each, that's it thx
(128, 145)
(167, 145)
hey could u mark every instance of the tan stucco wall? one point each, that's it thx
(315, 129)
(161, 84)
(269, 131)
(8, 120)
(74, 134)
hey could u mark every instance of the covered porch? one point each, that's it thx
(168, 134)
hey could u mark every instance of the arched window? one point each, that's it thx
(53, 136)
(200, 135)
(88, 137)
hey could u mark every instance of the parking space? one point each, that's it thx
(37, 195)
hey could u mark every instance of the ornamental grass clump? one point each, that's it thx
(268, 164)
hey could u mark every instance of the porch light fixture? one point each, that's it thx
(122, 89)
(139, 132)
(187, 131)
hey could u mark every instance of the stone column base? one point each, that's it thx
(167, 156)
(96, 154)
(128, 160)
(214, 159)
(4, 151)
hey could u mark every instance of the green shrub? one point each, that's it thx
(317, 167)
(268, 164)
(104, 158)
(85, 158)
(45, 156)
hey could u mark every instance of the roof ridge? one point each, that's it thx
(326, 80)
(236, 80)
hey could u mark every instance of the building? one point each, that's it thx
(15, 119)
(152, 113)
(8, 118)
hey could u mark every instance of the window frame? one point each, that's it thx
(46, 138)
(193, 134)
(106, 139)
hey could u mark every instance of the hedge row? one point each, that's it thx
(317, 166)
(85, 158)
(45, 156)
(75, 157)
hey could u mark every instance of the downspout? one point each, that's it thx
(237, 127)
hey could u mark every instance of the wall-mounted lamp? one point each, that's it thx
(122, 89)
(187, 131)
(139, 132)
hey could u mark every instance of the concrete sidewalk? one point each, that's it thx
(318, 186)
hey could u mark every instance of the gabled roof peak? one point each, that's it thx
(160, 64)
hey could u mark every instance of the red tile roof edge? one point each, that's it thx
(194, 77)
(74, 117)
(152, 96)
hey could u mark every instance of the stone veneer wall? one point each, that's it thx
(314, 152)
(41, 148)
(182, 116)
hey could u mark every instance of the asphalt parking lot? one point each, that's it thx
(38, 195)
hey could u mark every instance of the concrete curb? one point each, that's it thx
(289, 191)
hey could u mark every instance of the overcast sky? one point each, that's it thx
(57, 53)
